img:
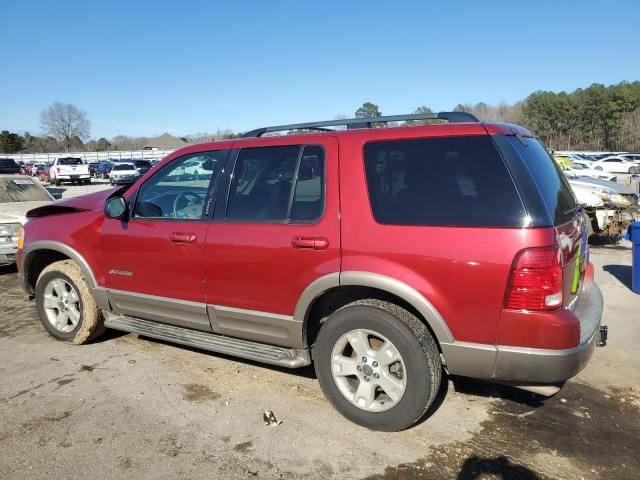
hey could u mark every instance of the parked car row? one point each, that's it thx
(611, 162)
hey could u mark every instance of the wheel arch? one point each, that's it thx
(330, 292)
(38, 255)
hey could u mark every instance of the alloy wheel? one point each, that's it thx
(368, 370)
(62, 305)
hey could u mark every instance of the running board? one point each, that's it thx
(259, 352)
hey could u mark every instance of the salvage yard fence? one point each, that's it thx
(88, 157)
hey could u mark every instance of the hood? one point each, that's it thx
(91, 201)
(595, 182)
(16, 212)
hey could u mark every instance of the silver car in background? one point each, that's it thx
(18, 195)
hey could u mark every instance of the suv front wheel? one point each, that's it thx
(65, 305)
(377, 364)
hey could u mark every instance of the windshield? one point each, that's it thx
(69, 161)
(123, 166)
(143, 164)
(577, 166)
(21, 190)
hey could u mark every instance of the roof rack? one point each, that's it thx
(351, 123)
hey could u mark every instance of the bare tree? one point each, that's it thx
(66, 123)
(124, 142)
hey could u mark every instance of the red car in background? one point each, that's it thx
(43, 174)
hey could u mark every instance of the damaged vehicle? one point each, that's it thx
(18, 195)
(609, 206)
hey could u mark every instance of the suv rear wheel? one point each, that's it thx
(377, 364)
(65, 305)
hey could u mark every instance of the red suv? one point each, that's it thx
(385, 256)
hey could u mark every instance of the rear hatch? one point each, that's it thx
(563, 211)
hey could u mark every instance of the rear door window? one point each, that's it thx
(450, 181)
(283, 184)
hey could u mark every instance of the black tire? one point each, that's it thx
(598, 168)
(58, 182)
(633, 170)
(413, 341)
(91, 323)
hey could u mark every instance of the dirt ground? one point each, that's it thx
(132, 407)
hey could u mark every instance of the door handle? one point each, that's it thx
(311, 243)
(182, 237)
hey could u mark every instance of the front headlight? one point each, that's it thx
(9, 232)
(620, 200)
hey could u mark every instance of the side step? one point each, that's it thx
(260, 352)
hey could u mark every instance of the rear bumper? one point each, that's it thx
(80, 176)
(522, 365)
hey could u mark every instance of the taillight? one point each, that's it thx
(536, 280)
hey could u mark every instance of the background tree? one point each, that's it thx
(421, 109)
(368, 109)
(124, 142)
(66, 123)
(102, 145)
(10, 142)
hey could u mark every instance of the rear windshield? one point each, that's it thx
(143, 164)
(21, 190)
(69, 161)
(451, 181)
(551, 182)
(123, 166)
(7, 162)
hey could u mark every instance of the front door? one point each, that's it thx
(153, 261)
(275, 231)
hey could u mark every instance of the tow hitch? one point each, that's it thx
(602, 338)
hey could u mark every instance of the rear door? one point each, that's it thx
(275, 231)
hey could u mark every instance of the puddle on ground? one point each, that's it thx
(581, 429)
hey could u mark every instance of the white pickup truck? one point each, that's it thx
(69, 169)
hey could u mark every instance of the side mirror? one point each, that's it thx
(116, 207)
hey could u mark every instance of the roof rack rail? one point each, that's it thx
(351, 123)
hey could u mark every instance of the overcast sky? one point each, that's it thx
(143, 68)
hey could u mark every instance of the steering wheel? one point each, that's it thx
(190, 197)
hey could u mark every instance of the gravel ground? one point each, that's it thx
(131, 407)
(69, 190)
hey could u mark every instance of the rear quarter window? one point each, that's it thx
(448, 181)
(553, 186)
